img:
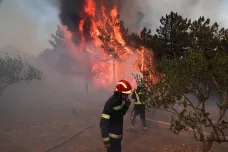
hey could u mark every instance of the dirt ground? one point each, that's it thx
(35, 128)
(157, 139)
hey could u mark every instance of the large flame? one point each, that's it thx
(106, 68)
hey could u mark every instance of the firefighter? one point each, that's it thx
(111, 123)
(139, 107)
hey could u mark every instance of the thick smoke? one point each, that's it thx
(71, 11)
(138, 14)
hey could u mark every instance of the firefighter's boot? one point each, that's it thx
(145, 129)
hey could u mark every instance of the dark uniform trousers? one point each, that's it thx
(139, 107)
(142, 115)
(115, 145)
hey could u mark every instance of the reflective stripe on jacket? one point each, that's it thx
(111, 122)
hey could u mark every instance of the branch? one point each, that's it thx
(218, 124)
(223, 135)
(213, 126)
(200, 132)
(5, 86)
(196, 109)
(191, 104)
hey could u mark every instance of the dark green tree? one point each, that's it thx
(204, 36)
(222, 36)
(144, 38)
(172, 35)
(182, 85)
(180, 90)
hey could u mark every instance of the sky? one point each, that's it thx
(28, 24)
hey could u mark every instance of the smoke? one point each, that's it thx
(1, 2)
(27, 24)
(138, 14)
(26, 29)
(145, 13)
(135, 14)
(154, 9)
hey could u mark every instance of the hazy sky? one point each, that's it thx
(28, 24)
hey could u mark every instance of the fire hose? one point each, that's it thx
(72, 137)
(67, 139)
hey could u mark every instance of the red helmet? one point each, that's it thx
(124, 87)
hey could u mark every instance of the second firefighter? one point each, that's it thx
(139, 108)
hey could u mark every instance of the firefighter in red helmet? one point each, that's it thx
(111, 123)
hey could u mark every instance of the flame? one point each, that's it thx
(106, 68)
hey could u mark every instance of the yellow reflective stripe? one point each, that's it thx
(127, 92)
(120, 106)
(137, 103)
(105, 116)
(123, 84)
(137, 98)
(115, 136)
(117, 108)
(106, 139)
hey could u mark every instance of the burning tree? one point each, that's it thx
(185, 86)
(103, 37)
(14, 70)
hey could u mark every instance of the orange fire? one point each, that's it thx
(106, 68)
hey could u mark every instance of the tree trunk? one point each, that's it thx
(207, 146)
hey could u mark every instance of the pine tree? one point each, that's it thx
(172, 35)
(204, 36)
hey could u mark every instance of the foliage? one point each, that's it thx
(14, 70)
(192, 69)
(182, 92)
(204, 36)
(172, 35)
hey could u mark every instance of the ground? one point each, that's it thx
(34, 128)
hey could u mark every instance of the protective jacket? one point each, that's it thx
(139, 104)
(111, 122)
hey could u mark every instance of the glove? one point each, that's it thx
(107, 146)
